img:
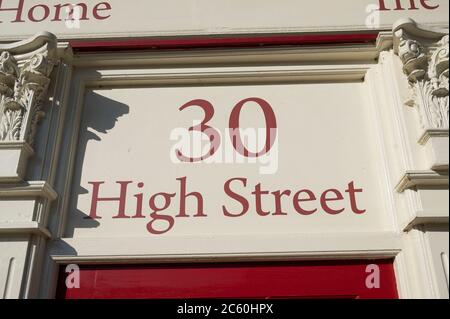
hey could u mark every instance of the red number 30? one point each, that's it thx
(214, 136)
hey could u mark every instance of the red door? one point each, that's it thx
(251, 280)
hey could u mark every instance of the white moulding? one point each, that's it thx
(13, 161)
(413, 179)
(436, 144)
(24, 211)
(29, 190)
(424, 217)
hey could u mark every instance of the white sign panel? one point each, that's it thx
(230, 160)
(137, 18)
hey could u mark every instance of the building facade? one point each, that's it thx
(302, 145)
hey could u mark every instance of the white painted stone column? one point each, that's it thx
(27, 70)
(424, 55)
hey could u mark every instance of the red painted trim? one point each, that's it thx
(194, 43)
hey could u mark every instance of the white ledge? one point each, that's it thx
(13, 160)
(426, 218)
(432, 132)
(7, 145)
(30, 189)
(236, 247)
(24, 228)
(413, 179)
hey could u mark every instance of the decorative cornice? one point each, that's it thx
(413, 179)
(25, 69)
(424, 54)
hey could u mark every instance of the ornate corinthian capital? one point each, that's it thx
(25, 69)
(424, 54)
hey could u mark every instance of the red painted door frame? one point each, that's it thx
(287, 280)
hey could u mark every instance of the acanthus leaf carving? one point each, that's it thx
(8, 74)
(438, 69)
(424, 55)
(24, 82)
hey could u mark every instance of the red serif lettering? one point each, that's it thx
(18, 9)
(121, 199)
(398, 5)
(15, 11)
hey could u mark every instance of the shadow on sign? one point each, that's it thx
(100, 115)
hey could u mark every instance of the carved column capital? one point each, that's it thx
(424, 54)
(25, 69)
